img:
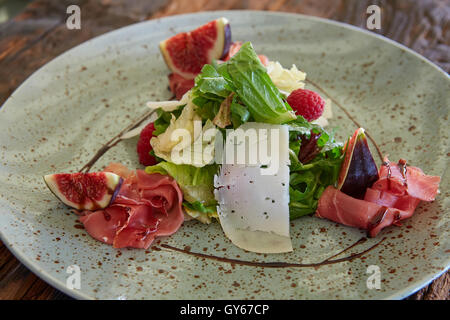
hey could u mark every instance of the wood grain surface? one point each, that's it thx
(39, 34)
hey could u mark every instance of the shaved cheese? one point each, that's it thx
(327, 114)
(286, 80)
(253, 207)
(170, 105)
(164, 105)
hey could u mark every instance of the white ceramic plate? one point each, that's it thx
(67, 109)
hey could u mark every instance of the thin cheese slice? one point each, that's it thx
(253, 207)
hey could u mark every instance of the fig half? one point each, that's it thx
(358, 170)
(186, 53)
(84, 191)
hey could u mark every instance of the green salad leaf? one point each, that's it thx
(209, 92)
(199, 211)
(200, 207)
(256, 97)
(248, 78)
(307, 183)
(163, 121)
(239, 113)
(320, 169)
(328, 146)
(211, 85)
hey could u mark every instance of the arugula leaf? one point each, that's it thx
(153, 154)
(308, 180)
(209, 92)
(326, 142)
(248, 78)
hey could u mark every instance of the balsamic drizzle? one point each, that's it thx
(115, 140)
(327, 261)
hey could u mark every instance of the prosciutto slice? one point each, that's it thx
(147, 206)
(179, 85)
(394, 197)
(400, 179)
(371, 216)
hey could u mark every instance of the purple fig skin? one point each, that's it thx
(116, 192)
(227, 40)
(362, 172)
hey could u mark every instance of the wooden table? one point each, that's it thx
(39, 34)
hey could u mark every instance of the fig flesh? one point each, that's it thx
(187, 52)
(84, 191)
(358, 170)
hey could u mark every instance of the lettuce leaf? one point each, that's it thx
(256, 99)
(200, 212)
(248, 78)
(163, 120)
(211, 85)
(239, 113)
(163, 143)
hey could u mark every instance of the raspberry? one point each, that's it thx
(144, 147)
(306, 103)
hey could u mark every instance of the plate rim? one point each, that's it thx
(77, 294)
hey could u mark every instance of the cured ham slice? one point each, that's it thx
(394, 197)
(104, 224)
(179, 85)
(373, 217)
(139, 230)
(400, 208)
(400, 179)
(147, 206)
(120, 170)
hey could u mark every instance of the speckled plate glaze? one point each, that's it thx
(66, 110)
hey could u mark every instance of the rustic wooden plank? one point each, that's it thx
(39, 34)
(15, 278)
(437, 290)
(17, 282)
